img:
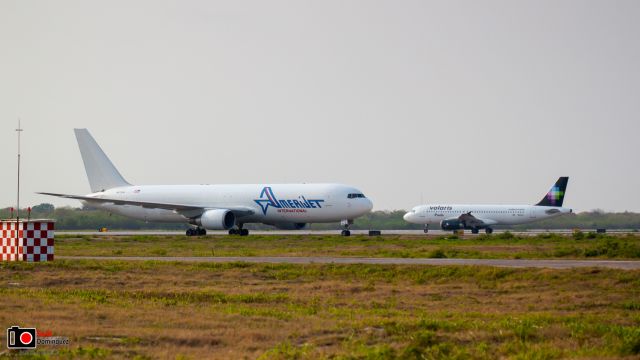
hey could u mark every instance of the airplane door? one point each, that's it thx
(532, 213)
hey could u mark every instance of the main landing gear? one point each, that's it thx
(196, 231)
(477, 230)
(345, 224)
(426, 228)
(239, 231)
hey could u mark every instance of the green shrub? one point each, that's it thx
(420, 343)
(630, 340)
(612, 247)
(507, 235)
(631, 305)
(438, 254)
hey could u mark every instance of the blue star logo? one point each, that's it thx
(269, 201)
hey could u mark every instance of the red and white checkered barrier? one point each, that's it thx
(34, 240)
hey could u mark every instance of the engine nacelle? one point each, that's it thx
(451, 225)
(290, 226)
(217, 219)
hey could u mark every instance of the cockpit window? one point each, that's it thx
(355, 195)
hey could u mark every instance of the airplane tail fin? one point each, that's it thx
(100, 170)
(555, 196)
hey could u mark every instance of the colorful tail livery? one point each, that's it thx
(555, 196)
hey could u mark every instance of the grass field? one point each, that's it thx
(142, 310)
(146, 309)
(499, 246)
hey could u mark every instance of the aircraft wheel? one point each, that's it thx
(191, 232)
(202, 232)
(346, 233)
(244, 232)
(488, 230)
(233, 232)
(475, 231)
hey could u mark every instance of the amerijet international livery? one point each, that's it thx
(476, 217)
(216, 207)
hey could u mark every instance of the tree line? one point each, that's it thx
(68, 218)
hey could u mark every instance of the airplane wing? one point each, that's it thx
(189, 211)
(471, 221)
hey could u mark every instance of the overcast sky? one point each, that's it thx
(448, 101)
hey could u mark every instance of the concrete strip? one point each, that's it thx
(532, 232)
(514, 263)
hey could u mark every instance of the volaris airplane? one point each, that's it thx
(476, 217)
(216, 207)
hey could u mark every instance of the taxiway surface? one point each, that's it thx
(513, 263)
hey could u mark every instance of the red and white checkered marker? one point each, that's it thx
(33, 243)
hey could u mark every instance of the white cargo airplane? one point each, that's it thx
(476, 217)
(216, 207)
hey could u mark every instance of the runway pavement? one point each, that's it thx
(513, 263)
(325, 232)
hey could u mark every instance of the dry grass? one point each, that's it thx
(496, 246)
(202, 310)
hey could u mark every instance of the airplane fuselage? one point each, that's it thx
(264, 203)
(434, 214)
(215, 207)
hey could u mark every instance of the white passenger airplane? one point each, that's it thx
(216, 207)
(476, 217)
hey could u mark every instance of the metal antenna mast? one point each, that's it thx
(18, 130)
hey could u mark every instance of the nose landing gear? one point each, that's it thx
(345, 224)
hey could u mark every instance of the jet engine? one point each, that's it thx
(451, 224)
(290, 226)
(216, 219)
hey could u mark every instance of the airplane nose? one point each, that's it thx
(369, 205)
